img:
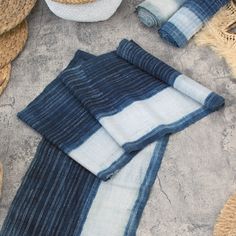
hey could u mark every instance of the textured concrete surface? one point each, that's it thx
(198, 173)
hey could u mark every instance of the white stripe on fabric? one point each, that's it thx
(186, 21)
(115, 199)
(191, 88)
(141, 117)
(98, 152)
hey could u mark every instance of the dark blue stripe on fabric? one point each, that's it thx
(203, 9)
(172, 35)
(163, 130)
(146, 186)
(108, 84)
(61, 118)
(214, 101)
(134, 54)
(54, 197)
(58, 115)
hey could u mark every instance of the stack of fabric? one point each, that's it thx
(105, 122)
(178, 20)
(84, 10)
(13, 34)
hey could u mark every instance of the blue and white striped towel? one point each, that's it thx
(188, 20)
(103, 118)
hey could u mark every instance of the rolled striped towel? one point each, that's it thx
(153, 13)
(188, 20)
(105, 122)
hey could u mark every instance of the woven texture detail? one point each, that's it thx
(12, 43)
(13, 12)
(4, 78)
(226, 222)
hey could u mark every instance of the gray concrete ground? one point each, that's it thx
(198, 172)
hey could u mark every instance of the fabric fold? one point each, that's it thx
(134, 54)
(188, 20)
(137, 98)
(60, 118)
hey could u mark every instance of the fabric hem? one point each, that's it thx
(133, 147)
(163, 130)
(146, 187)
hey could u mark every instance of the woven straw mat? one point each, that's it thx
(12, 43)
(13, 12)
(4, 78)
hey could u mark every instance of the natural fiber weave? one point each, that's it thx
(12, 42)
(13, 12)
(1, 178)
(226, 222)
(218, 35)
(4, 78)
(74, 1)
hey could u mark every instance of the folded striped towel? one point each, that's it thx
(188, 20)
(105, 123)
(153, 13)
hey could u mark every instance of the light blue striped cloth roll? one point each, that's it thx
(188, 20)
(153, 13)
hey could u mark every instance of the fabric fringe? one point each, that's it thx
(226, 222)
(218, 35)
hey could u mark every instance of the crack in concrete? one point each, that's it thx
(7, 104)
(11, 104)
(163, 192)
(196, 226)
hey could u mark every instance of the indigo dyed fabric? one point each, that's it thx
(153, 13)
(188, 20)
(53, 196)
(105, 123)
